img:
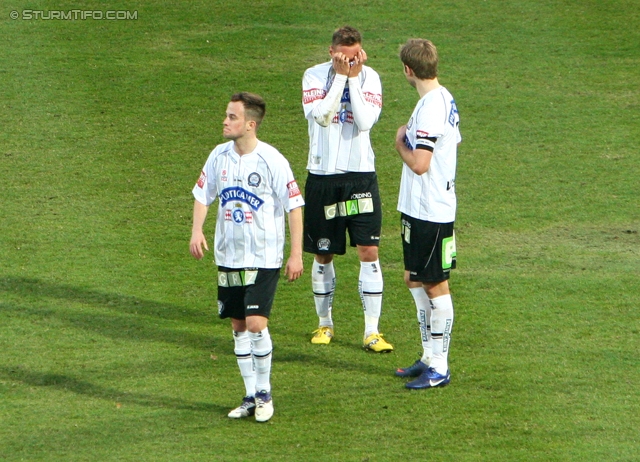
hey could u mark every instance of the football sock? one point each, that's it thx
(242, 349)
(370, 286)
(262, 347)
(423, 309)
(323, 283)
(441, 325)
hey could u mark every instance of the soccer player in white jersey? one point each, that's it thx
(255, 187)
(342, 100)
(428, 146)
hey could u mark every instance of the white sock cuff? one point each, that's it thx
(371, 276)
(242, 343)
(443, 302)
(261, 342)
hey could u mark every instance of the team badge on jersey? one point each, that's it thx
(254, 179)
(238, 216)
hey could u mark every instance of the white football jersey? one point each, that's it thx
(340, 120)
(432, 195)
(254, 191)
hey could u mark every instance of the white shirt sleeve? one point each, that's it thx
(205, 190)
(366, 107)
(318, 104)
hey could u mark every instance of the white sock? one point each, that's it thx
(323, 283)
(370, 286)
(441, 325)
(261, 348)
(423, 310)
(242, 349)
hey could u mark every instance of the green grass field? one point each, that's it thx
(110, 346)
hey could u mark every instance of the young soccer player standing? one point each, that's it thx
(255, 187)
(428, 145)
(342, 100)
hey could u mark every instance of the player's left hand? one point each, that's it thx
(294, 268)
(358, 61)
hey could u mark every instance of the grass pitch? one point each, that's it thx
(110, 348)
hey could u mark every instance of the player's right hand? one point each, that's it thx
(198, 242)
(340, 63)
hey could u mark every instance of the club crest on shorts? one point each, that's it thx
(323, 244)
(220, 307)
(254, 179)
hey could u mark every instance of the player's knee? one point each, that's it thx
(368, 253)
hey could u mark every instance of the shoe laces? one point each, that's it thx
(248, 402)
(262, 398)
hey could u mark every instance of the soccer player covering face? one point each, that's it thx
(428, 145)
(255, 188)
(342, 100)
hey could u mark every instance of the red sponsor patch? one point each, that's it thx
(293, 189)
(373, 98)
(227, 215)
(202, 179)
(422, 134)
(309, 96)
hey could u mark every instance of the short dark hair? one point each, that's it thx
(421, 56)
(346, 36)
(254, 106)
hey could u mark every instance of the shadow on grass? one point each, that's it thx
(117, 316)
(70, 384)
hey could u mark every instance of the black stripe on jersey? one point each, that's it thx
(428, 143)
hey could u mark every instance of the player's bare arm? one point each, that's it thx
(418, 160)
(198, 240)
(294, 267)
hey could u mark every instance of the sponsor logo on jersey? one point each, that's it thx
(237, 193)
(232, 215)
(410, 123)
(223, 177)
(293, 188)
(454, 118)
(346, 97)
(343, 116)
(309, 96)
(254, 179)
(422, 134)
(202, 180)
(372, 98)
(323, 244)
